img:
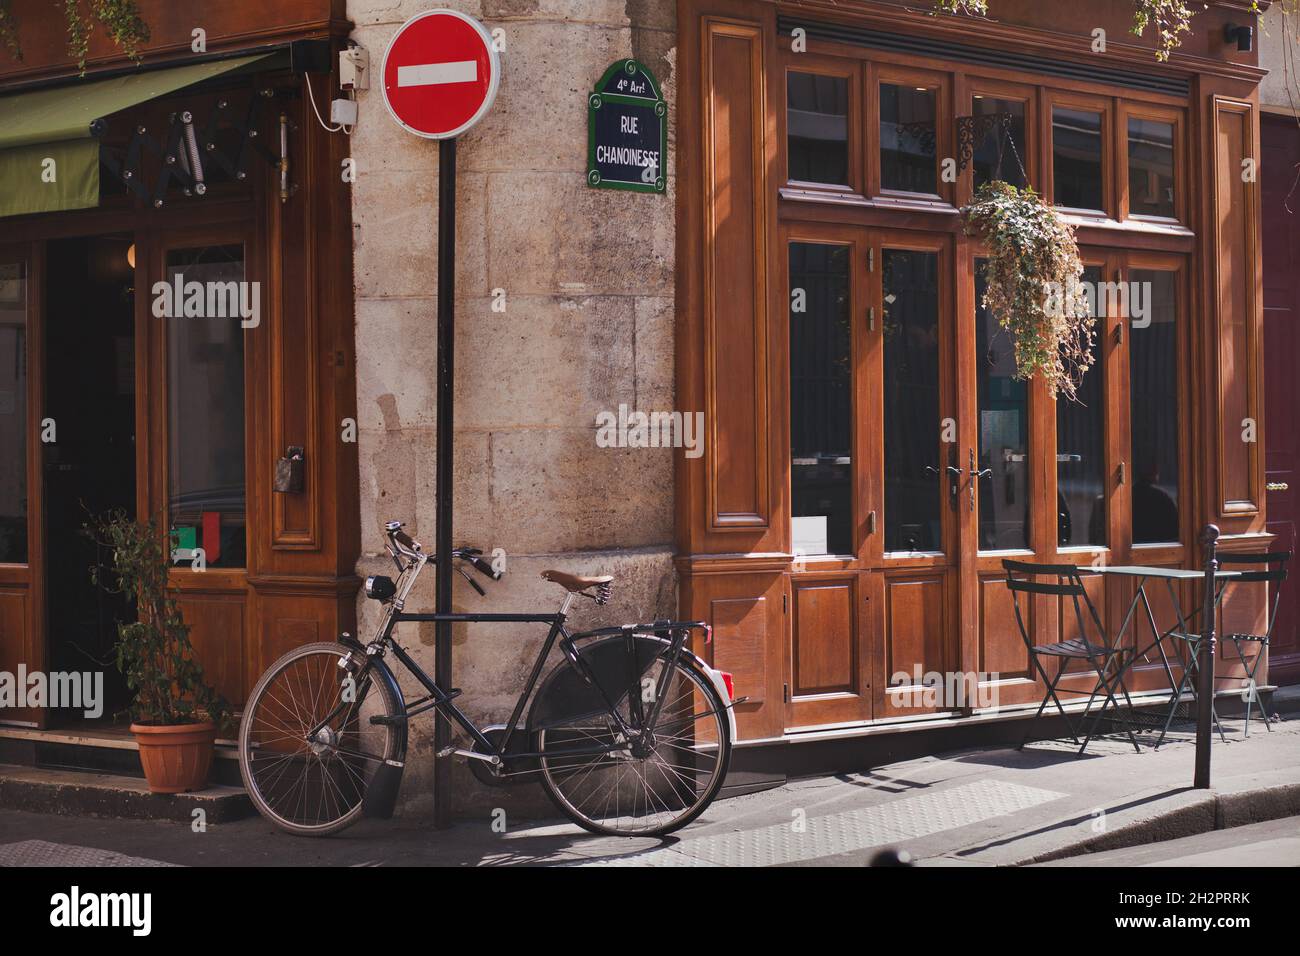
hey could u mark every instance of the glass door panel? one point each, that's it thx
(1003, 424)
(1153, 407)
(1081, 450)
(205, 405)
(821, 399)
(13, 411)
(914, 463)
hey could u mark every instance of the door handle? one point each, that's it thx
(976, 474)
(1278, 486)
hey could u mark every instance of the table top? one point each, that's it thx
(1173, 574)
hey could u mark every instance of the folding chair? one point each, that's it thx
(1069, 583)
(1274, 576)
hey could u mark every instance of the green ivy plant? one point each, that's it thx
(120, 18)
(1033, 284)
(1171, 18)
(153, 652)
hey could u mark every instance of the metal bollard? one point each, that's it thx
(1205, 662)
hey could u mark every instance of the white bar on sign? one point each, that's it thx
(436, 74)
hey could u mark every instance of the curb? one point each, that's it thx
(1190, 813)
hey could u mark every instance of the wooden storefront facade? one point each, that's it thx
(870, 458)
(203, 416)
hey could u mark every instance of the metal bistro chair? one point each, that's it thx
(1274, 576)
(1069, 583)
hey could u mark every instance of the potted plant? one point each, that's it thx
(175, 713)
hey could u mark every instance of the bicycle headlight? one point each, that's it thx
(380, 588)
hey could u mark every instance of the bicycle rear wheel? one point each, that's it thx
(641, 790)
(312, 784)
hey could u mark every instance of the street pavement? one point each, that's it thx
(969, 808)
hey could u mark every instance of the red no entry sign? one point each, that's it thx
(440, 74)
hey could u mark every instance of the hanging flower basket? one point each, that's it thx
(1033, 284)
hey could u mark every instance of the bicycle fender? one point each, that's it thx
(380, 799)
(565, 695)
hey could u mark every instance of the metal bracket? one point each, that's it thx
(183, 152)
(972, 130)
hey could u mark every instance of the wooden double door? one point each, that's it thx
(919, 462)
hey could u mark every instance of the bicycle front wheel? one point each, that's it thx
(641, 788)
(307, 747)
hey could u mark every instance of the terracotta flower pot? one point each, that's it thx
(176, 758)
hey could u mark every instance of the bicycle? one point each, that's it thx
(629, 734)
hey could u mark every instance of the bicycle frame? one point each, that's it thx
(440, 700)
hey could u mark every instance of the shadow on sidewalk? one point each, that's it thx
(1072, 822)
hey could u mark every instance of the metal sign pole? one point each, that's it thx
(1205, 663)
(446, 386)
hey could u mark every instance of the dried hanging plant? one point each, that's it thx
(1033, 284)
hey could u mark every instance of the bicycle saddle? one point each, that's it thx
(576, 582)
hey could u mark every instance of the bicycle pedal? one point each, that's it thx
(386, 721)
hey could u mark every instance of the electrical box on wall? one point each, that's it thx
(344, 112)
(354, 69)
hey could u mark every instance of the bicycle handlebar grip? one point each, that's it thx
(484, 567)
(405, 540)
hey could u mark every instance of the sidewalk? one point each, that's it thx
(970, 808)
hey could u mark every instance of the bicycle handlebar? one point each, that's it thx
(403, 543)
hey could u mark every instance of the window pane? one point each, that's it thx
(1076, 157)
(205, 383)
(821, 399)
(1000, 152)
(1150, 168)
(1081, 454)
(817, 120)
(13, 413)
(1153, 384)
(1004, 432)
(907, 139)
(913, 490)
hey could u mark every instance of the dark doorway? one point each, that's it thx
(90, 464)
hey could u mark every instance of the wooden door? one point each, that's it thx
(912, 414)
(1280, 141)
(196, 457)
(829, 344)
(22, 604)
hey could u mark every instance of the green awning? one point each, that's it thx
(48, 159)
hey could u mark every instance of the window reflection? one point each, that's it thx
(1003, 432)
(1150, 168)
(1000, 150)
(205, 397)
(907, 138)
(1076, 157)
(913, 489)
(13, 413)
(1154, 412)
(1081, 453)
(817, 121)
(821, 399)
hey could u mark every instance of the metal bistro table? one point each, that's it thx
(1182, 630)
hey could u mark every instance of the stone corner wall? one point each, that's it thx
(565, 300)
